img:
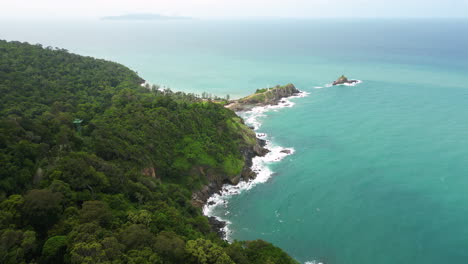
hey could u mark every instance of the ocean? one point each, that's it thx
(378, 171)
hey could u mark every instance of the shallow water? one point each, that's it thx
(379, 173)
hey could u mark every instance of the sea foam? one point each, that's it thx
(259, 164)
(328, 85)
(253, 117)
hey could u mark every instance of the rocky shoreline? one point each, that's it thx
(271, 96)
(200, 197)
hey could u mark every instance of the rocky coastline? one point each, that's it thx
(216, 183)
(262, 97)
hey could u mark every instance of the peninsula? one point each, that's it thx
(263, 97)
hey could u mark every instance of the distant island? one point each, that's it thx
(145, 16)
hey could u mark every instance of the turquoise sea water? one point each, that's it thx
(380, 170)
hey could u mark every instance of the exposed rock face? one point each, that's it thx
(344, 80)
(150, 172)
(217, 180)
(200, 197)
(256, 147)
(253, 147)
(38, 175)
(217, 226)
(267, 96)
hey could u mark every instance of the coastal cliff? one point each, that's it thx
(263, 97)
(121, 179)
(251, 147)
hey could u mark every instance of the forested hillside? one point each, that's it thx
(95, 168)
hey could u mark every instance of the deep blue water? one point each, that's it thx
(379, 173)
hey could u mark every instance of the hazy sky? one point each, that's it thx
(35, 9)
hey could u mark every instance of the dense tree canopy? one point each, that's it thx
(95, 168)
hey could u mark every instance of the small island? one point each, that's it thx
(263, 97)
(344, 80)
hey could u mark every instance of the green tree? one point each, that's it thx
(112, 248)
(17, 246)
(41, 208)
(142, 256)
(140, 217)
(79, 171)
(206, 252)
(88, 253)
(170, 247)
(95, 211)
(54, 249)
(137, 237)
(10, 211)
(261, 252)
(237, 253)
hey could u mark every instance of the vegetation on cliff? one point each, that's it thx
(95, 168)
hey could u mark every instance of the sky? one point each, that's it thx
(93, 9)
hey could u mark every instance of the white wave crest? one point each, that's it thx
(345, 84)
(313, 262)
(352, 84)
(252, 117)
(259, 166)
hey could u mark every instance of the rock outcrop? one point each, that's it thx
(217, 226)
(266, 96)
(344, 80)
(150, 172)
